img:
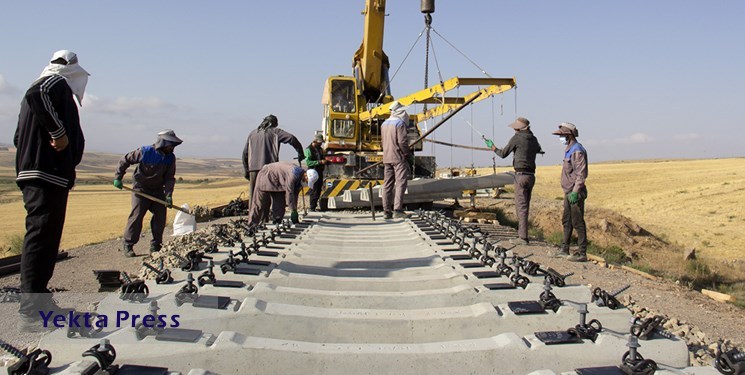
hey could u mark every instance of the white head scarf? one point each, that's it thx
(74, 74)
(398, 110)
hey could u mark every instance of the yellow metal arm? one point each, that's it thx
(436, 94)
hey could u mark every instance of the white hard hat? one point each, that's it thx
(312, 176)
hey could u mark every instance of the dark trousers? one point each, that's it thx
(574, 218)
(46, 206)
(523, 191)
(251, 185)
(396, 179)
(260, 206)
(140, 206)
(315, 190)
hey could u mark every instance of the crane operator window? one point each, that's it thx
(342, 96)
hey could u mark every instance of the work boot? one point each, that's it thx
(400, 215)
(577, 257)
(128, 251)
(33, 324)
(519, 241)
(388, 215)
(154, 247)
(559, 253)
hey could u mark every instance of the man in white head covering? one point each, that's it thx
(397, 160)
(154, 175)
(50, 145)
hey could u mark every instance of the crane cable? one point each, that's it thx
(382, 92)
(463, 54)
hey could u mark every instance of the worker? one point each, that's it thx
(315, 160)
(155, 176)
(524, 146)
(262, 148)
(278, 182)
(397, 160)
(573, 176)
(49, 145)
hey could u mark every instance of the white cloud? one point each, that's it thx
(125, 105)
(6, 88)
(636, 138)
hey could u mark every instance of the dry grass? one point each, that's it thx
(98, 213)
(696, 203)
(690, 203)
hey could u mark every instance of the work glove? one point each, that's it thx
(247, 176)
(573, 197)
(489, 142)
(118, 183)
(294, 217)
(410, 159)
(169, 201)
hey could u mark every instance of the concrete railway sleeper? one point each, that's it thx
(340, 293)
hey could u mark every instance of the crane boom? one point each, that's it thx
(370, 62)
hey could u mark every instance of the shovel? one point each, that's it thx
(156, 200)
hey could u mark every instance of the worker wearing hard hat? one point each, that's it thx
(278, 182)
(397, 160)
(49, 143)
(315, 160)
(524, 146)
(155, 176)
(573, 175)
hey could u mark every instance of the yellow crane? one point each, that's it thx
(355, 106)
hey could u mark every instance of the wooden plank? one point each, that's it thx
(640, 273)
(721, 297)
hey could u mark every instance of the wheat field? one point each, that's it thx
(692, 203)
(97, 213)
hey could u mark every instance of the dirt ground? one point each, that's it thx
(717, 320)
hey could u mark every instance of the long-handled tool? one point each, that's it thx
(156, 200)
(472, 127)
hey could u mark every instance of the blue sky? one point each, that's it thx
(640, 79)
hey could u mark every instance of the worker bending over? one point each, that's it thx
(278, 182)
(155, 176)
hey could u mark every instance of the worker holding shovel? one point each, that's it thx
(154, 176)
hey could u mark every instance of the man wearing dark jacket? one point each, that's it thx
(262, 148)
(154, 175)
(50, 145)
(315, 160)
(524, 146)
